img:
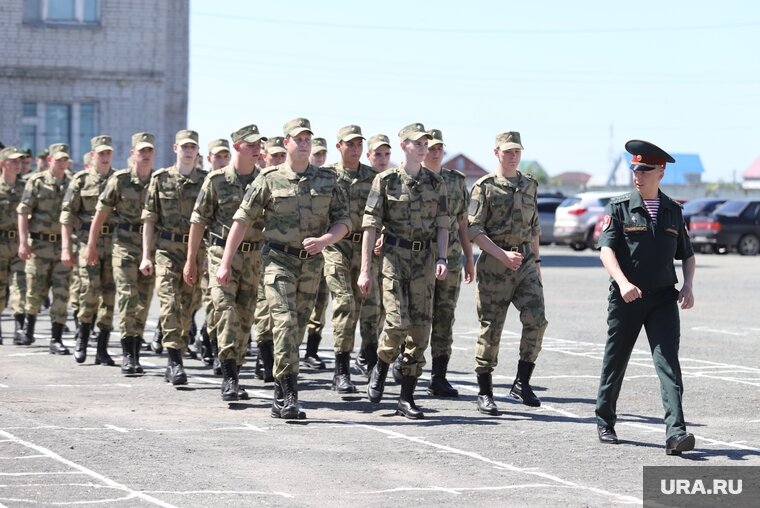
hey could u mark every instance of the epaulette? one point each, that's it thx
(528, 176)
(673, 201)
(621, 199)
(80, 175)
(454, 171)
(215, 172)
(331, 169)
(388, 173)
(269, 169)
(161, 171)
(485, 178)
(35, 176)
(120, 172)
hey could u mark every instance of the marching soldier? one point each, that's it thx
(11, 190)
(410, 203)
(503, 222)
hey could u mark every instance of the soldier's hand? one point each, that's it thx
(190, 273)
(629, 292)
(378, 245)
(146, 267)
(24, 251)
(92, 255)
(441, 270)
(314, 245)
(686, 297)
(66, 258)
(223, 274)
(513, 260)
(469, 271)
(364, 283)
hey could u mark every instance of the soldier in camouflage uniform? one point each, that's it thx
(123, 197)
(97, 288)
(11, 190)
(17, 275)
(343, 259)
(446, 291)
(298, 203)
(370, 319)
(38, 214)
(168, 205)
(70, 243)
(503, 222)
(317, 318)
(410, 203)
(215, 206)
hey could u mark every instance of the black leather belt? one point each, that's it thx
(244, 246)
(355, 237)
(173, 237)
(415, 246)
(42, 236)
(299, 253)
(104, 229)
(8, 234)
(135, 228)
(523, 248)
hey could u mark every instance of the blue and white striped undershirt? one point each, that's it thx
(652, 206)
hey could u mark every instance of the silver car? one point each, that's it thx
(576, 216)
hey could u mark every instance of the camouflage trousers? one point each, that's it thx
(342, 274)
(407, 291)
(198, 297)
(7, 252)
(445, 297)
(17, 283)
(233, 312)
(75, 283)
(497, 287)
(291, 287)
(45, 272)
(133, 289)
(261, 317)
(370, 313)
(317, 316)
(97, 289)
(175, 298)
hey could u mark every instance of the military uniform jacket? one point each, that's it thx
(457, 197)
(646, 251)
(81, 199)
(123, 198)
(9, 200)
(408, 208)
(297, 206)
(356, 185)
(219, 199)
(42, 200)
(504, 211)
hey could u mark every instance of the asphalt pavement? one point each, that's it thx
(75, 434)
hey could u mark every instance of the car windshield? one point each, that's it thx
(731, 208)
(698, 206)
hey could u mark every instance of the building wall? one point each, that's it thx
(133, 65)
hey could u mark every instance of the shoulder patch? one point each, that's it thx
(484, 178)
(455, 172)
(80, 176)
(621, 199)
(119, 172)
(389, 173)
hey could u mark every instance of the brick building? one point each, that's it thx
(72, 69)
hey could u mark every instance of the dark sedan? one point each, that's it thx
(700, 206)
(734, 225)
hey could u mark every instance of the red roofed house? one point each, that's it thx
(463, 164)
(751, 176)
(577, 179)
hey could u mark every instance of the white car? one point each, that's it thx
(575, 218)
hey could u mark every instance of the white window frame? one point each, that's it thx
(75, 127)
(78, 14)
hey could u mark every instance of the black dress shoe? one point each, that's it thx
(681, 443)
(607, 434)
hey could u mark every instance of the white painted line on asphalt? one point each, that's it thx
(22, 457)
(503, 465)
(222, 492)
(716, 442)
(43, 473)
(88, 385)
(83, 470)
(457, 348)
(716, 330)
(506, 398)
(63, 503)
(29, 354)
(459, 490)
(3, 386)
(117, 429)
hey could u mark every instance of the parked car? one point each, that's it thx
(547, 206)
(733, 225)
(700, 206)
(576, 216)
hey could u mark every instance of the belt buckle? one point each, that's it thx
(514, 249)
(52, 238)
(416, 246)
(140, 229)
(245, 247)
(11, 234)
(303, 254)
(105, 230)
(186, 238)
(356, 237)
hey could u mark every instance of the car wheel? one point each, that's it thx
(579, 246)
(749, 245)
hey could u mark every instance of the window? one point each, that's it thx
(46, 123)
(62, 12)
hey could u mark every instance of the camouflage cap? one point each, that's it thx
(318, 145)
(508, 140)
(275, 144)
(26, 151)
(377, 141)
(413, 132)
(142, 140)
(218, 145)
(101, 143)
(185, 136)
(350, 132)
(436, 137)
(296, 126)
(10, 153)
(247, 134)
(59, 151)
(43, 153)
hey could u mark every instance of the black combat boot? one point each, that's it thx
(486, 405)
(439, 385)
(158, 336)
(342, 378)
(230, 381)
(207, 354)
(311, 358)
(127, 358)
(136, 346)
(376, 384)
(175, 371)
(291, 409)
(191, 352)
(366, 360)
(101, 353)
(19, 325)
(406, 406)
(83, 338)
(242, 394)
(251, 348)
(76, 325)
(277, 399)
(398, 376)
(521, 389)
(258, 369)
(25, 336)
(56, 342)
(217, 365)
(266, 352)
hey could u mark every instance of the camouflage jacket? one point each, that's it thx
(81, 198)
(9, 200)
(505, 212)
(170, 199)
(42, 200)
(123, 199)
(458, 197)
(295, 206)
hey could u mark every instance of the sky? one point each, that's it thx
(576, 79)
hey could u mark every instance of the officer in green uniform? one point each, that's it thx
(503, 222)
(11, 189)
(409, 202)
(642, 233)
